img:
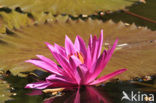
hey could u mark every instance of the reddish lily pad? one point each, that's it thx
(135, 51)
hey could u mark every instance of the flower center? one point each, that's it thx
(79, 56)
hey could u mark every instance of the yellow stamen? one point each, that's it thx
(80, 57)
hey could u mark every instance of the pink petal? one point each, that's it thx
(75, 62)
(62, 84)
(94, 47)
(80, 46)
(47, 60)
(110, 52)
(55, 78)
(50, 62)
(65, 65)
(88, 60)
(49, 46)
(69, 46)
(94, 51)
(60, 49)
(82, 71)
(98, 66)
(44, 66)
(38, 85)
(62, 61)
(106, 77)
(100, 42)
(101, 62)
(90, 43)
(53, 50)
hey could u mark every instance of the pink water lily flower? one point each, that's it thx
(78, 64)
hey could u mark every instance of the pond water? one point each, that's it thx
(111, 92)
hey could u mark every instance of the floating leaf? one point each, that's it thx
(13, 20)
(4, 91)
(73, 7)
(135, 51)
(145, 10)
(16, 20)
(41, 18)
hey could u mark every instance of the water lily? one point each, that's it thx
(78, 64)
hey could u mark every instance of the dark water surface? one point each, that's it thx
(111, 92)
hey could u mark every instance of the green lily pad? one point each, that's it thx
(135, 51)
(68, 7)
(13, 20)
(4, 91)
(146, 10)
(16, 20)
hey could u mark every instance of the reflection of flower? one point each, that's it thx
(88, 95)
(35, 92)
(95, 96)
(78, 65)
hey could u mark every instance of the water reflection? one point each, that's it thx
(82, 95)
(110, 92)
(34, 92)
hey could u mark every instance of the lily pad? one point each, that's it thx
(13, 20)
(4, 91)
(65, 7)
(135, 51)
(144, 10)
